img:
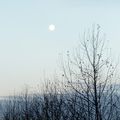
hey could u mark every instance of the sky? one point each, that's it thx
(28, 50)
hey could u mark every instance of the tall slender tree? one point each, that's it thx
(90, 73)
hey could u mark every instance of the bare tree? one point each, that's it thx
(91, 74)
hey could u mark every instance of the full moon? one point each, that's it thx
(51, 27)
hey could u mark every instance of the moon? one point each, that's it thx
(51, 27)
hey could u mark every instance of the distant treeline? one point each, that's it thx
(53, 105)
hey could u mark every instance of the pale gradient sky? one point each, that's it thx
(27, 48)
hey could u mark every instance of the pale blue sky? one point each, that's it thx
(27, 48)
